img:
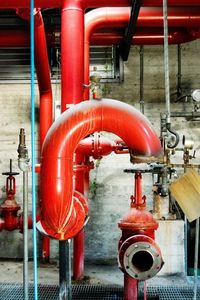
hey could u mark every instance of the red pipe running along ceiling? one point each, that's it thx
(148, 17)
(59, 211)
(93, 3)
(143, 36)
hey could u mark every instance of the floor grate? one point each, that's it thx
(95, 292)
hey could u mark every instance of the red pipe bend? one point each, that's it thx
(119, 16)
(60, 212)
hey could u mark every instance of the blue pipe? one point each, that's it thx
(33, 151)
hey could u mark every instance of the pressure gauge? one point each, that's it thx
(196, 95)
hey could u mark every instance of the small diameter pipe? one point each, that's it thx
(142, 79)
(179, 75)
(25, 234)
(23, 163)
(33, 149)
(166, 60)
(196, 255)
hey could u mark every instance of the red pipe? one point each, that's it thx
(43, 71)
(12, 221)
(143, 36)
(44, 83)
(146, 37)
(72, 58)
(151, 17)
(46, 97)
(130, 288)
(79, 239)
(94, 3)
(58, 219)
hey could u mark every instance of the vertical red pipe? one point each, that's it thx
(138, 188)
(72, 53)
(72, 61)
(44, 82)
(79, 239)
(130, 288)
(45, 90)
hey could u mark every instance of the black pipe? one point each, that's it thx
(130, 30)
(183, 114)
(65, 292)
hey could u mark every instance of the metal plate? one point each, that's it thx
(94, 292)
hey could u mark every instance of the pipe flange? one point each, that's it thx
(140, 259)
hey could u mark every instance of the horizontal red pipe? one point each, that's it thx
(146, 37)
(10, 221)
(59, 211)
(93, 3)
(143, 36)
(148, 17)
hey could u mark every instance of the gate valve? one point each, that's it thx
(10, 203)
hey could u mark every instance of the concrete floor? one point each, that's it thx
(11, 271)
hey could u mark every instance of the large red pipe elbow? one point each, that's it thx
(148, 17)
(59, 211)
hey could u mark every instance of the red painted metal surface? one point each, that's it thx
(72, 57)
(45, 90)
(79, 240)
(148, 17)
(11, 219)
(143, 36)
(130, 288)
(139, 256)
(43, 76)
(57, 156)
(94, 3)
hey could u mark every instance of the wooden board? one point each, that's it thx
(186, 191)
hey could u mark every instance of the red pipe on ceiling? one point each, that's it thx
(152, 17)
(93, 3)
(146, 37)
(143, 36)
(57, 219)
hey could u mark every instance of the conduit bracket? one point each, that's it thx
(130, 30)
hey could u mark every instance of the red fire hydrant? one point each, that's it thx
(139, 256)
(10, 207)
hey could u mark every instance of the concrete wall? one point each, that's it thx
(110, 187)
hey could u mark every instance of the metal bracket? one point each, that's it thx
(130, 30)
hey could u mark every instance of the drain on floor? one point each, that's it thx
(95, 292)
